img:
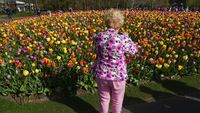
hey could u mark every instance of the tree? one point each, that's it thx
(132, 3)
(106, 4)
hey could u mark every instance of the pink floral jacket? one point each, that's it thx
(111, 47)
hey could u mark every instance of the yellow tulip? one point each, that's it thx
(179, 36)
(30, 45)
(156, 52)
(63, 41)
(86, 65)
(65, 50)
(54, 39)
(21, 35)
(73, 42)
(58, 42)
(138, 65)
(86, 32)
(50, 50)
(86, 38)
(33, 64)
(4, 35)
(166, 65)
(58, 57)
(78, 67)
(35, 42)
(161, 42)
(159, 66)
(25, 72)
(185, 57)
(169, 61)
(37, 70)
(48, 39)
(180, 67)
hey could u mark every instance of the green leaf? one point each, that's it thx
(23, 88)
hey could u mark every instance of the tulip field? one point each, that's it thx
(41, 53)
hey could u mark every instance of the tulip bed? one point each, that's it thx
(38, 54)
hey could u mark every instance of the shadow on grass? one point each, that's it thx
(64, 90)
(63, 96)
(156, 95)
(76, 103)
(129, 100)
(177, 87)
(185, 99)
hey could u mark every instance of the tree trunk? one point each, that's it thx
(34, 5)
(117, 4)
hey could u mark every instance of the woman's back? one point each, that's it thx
(111, 47)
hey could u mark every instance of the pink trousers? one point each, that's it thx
(113, 90)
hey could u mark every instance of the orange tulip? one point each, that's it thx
(73, 60)
(23, 42)
(164, 48)
(161, 60)
(156, 62)
(53, 64)
(46, 60)
(146, 53)
(73, 55)
(29, 49)
(94, 56)
(85, 70)
(19, 65)
(70, 64)
(46, 75)
(51, 43)
(1, 61)
(81, 62)
(5, 41)
(12, 61)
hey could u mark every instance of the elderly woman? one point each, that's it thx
(110, 68)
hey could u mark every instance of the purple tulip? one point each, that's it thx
(91, 39)
(1, 47)
(10, 49)
(19, 49)
(34, 58)
(17, 61)
(41, 62)
(18, 53)
(25, 51)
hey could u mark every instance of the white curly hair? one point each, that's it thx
(114, 18)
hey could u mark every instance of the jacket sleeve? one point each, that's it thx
(129, 46)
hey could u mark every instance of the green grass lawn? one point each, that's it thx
(88, 103)
(4, 18)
